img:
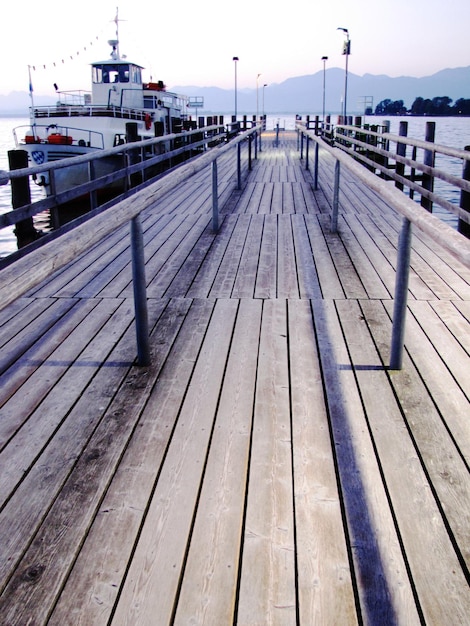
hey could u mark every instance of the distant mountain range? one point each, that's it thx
(304, 94)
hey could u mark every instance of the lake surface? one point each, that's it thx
(450, 131)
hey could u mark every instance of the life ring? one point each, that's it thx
(148, 121)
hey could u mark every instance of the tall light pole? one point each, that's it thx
(347, 52)
(257, 107)
(235, 59)
(263, 113)
(324, 59)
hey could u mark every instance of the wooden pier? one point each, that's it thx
(267, 468)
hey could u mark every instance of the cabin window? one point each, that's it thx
(109, 73)
(136, 75)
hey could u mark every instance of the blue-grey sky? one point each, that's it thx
(193, 43)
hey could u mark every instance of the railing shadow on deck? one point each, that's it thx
(374, 598)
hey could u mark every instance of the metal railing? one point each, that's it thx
(347, 140)
(35, 266)
(134, 164)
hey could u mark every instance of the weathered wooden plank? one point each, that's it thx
(449, 350)
(250, 196)
(287, 283)
(208, 591)
(29, 323)
(244, 285)
(169, 519)
(183, 279)
(205, 275)
(408, 467)
(266, 201)
(172, 263)
(379, 569)
(346, 272)
(456, 317)
(227, 271)
(42, 405)
(266, 279)
(366, 263)
(113, 278)
(67, 317)
(43, 567)
(309, 285)
(325, 588)
(268, 549)
(92, 588)
(330, 284)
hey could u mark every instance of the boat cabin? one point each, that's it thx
(117, 82)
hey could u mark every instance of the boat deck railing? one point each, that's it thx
(88, 110)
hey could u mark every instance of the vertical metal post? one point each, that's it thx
(21, 196)
(239, 166)
(215, 198)
(401, 151)
(91, 177)
(250, 140)
(315, 175)
(428, 180)
(464, 227)
(140, 292)
(301, 146)
(306, 153)
(334, 213)
(401, 295)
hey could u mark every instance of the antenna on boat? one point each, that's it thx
(115, 42)
(31, 110)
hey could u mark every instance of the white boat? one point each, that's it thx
(119, 108)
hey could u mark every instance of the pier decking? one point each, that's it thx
(267, 468)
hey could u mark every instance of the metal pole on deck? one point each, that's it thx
(401, 295)
(140, 292)
(464, 227)
(21, 196)
(428, 181)
(215, 198)
(315, 176)
(334, 213)
(239, 166)
(401, 151)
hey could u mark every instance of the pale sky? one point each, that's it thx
(193, 43)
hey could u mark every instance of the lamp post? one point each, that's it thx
(257, 108)
(263, 111)
(347, 52)
(324, 59)
(235, 59)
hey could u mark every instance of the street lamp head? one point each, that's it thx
(345, 30)
(324, 58)
(235, 59)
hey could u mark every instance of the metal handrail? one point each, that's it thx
(30, 270)
(16, 215)
(452, 241)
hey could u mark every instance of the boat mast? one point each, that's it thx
(31, 110)
(116, 21)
